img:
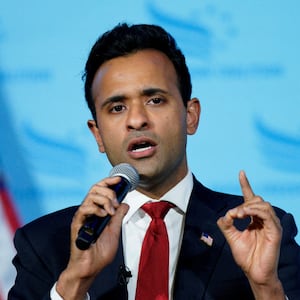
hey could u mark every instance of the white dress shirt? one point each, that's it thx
(135, 225)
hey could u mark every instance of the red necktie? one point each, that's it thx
(153, 276)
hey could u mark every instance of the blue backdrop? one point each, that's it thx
(244, 61)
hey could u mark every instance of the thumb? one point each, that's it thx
(225, 223)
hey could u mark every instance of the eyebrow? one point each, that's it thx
(145, 92)
(113, 99)
(153, 91)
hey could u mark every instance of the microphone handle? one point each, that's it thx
(94, 225)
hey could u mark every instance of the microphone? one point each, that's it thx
(94, 225)
(124, 275)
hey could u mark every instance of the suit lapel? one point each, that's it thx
(198, 259)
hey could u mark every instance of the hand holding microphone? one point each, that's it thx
(88, 223)
(94, 225)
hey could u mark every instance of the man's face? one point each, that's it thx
(142, 119)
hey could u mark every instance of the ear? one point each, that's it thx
(96, 133)
(193, 115)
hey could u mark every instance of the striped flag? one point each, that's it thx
(9, 222)
(207, 239)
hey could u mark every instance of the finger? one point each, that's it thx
(104, 188)
(245, 187)
(261, 213)
(116, 220)
(109, 181)
(99, 201)
(264, 212)
(98, 205)
(103, 194)
(103, 199)
(83, 213)
(113, 228)
(251, 209)
(226, 222)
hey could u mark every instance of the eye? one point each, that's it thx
(156, 101)
(117, 108)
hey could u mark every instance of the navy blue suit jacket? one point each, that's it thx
(203, 272)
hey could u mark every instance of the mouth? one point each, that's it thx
(141, 147)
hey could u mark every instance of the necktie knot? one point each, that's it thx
(157, 210)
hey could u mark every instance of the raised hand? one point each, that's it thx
(256, 249)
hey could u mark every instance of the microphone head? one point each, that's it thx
(128, 172)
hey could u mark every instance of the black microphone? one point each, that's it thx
(94, 225)
(124, 275)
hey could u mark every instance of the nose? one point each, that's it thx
(137, 118)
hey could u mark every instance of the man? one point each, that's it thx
(138, 89)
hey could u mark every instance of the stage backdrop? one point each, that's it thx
(244, 61)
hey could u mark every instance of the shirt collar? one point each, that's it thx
(178, 195)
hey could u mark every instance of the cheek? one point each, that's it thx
(113, 149)
(174, 131)
(110, 137)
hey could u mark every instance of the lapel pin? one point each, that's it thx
(207, 239)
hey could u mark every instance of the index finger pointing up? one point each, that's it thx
(245, 186)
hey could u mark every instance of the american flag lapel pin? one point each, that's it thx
(207, 239)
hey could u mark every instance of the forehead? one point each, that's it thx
(145, 67)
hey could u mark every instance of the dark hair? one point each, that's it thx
(125, 39)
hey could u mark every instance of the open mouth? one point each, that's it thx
(141, 147)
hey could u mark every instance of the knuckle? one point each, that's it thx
(267, 206)
(258, 198)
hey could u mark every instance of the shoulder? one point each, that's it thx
(43, 248)
(46, 230)
(55, 220)
(214, 199)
